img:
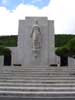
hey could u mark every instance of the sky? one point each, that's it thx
(61, 11)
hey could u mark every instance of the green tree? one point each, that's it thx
(71, 46)
(4, 51)
(62, 51)
(67, 50)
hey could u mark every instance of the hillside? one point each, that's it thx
(11, 41)
(60, 40)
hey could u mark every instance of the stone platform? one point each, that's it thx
(33, 82)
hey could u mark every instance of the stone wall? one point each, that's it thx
(14, 55)
(71, 61)
(25, 55)
(1, 60)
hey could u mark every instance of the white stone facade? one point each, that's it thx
(71, 61)
(23, 53)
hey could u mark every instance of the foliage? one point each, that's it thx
(71, 45)
(62, 39)
(9, 41)
(62, 51)
(67, 50)
(4, 51)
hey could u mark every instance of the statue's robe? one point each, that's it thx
(36, 39)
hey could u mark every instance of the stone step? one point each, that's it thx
(21, 68)
(36, 67)
(35, 70)
(36, 81)
(25, 67)
(30, 70)
(31, 94)
(35, 89)
(36, 84)
(39, 67)
(36, 77)
(38, 73)
(42, 76)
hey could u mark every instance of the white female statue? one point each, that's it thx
(36, 39)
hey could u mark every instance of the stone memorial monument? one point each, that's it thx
(35, 42)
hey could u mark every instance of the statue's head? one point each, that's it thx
(35, 25)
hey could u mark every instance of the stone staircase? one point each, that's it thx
(37, 82)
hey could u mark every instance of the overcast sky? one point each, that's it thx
(61, 11)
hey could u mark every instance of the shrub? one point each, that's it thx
(62, 51)
(4, 51)
(67, 50)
